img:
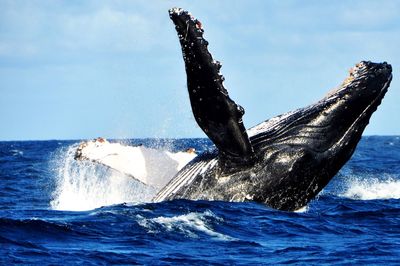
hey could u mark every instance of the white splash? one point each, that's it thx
(188, 224)
(372, 188)
(302, 209)
(84, 185)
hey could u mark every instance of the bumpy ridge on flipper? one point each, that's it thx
(216, 114)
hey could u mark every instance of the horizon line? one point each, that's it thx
(155, 138)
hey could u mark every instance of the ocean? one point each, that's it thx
(57, 211)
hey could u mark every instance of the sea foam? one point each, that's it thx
(372, 188)
(190, 224)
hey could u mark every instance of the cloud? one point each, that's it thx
(109, 30)
(49, 30)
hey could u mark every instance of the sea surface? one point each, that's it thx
(56, 211)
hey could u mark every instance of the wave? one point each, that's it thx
(39, 228)
(190, 224)
(372, 189)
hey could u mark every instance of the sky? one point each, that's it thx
(84, 69)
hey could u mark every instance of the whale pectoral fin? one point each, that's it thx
(216, 114)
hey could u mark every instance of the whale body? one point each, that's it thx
(283, 162)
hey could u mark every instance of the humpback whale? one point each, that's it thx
(283, 162)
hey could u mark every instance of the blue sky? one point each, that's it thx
(83, 69)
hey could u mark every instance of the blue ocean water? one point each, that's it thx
(55, 211)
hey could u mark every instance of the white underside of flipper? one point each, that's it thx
(152, 167)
